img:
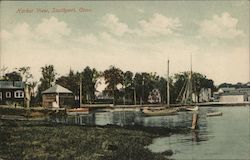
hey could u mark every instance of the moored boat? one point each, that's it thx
(214, 114)
(126, 109)
(192, 108)
(187, 96)
(158, 111)
(77, 111)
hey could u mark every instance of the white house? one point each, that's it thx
(154, 96)
(232, 94)
(232, 97)
(205, 95)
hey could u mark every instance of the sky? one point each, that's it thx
(133, 35)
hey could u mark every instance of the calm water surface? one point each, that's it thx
(223, 137)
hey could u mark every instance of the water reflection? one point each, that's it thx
(224, 137)
(212, 140)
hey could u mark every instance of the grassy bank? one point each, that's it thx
(27, 140)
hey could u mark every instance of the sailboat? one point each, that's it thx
(185, 97)
(163, 110)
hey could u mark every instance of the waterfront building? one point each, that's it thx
(154, 96)
(205, 95)
(232, 94)
(58, 97)
(12, 92)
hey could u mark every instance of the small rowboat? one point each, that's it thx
(214, 114)
(160, 111)
(195, 108)
(77, 111)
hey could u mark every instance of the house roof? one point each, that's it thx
(226, 89)
(57, 89)
(11, 85)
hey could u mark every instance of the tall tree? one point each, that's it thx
(128, 85)
(89, 80)
(144, 83)
(48, 77)
(113, 76)
(199, 81)
(29, 86)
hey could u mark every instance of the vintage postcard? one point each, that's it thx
(127, 80)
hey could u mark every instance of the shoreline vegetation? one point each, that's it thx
(43, 140)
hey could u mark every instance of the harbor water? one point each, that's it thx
(222, 137)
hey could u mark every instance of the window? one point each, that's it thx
(1, 96)
(19, 94)
(8, 94)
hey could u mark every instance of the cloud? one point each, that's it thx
(159, 25)
(22, 30)
(113, 24)
(52, 29)
(224, 26)
(102, 49)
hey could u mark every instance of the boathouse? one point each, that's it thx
(58, 97)
(232, 94)
(12, 92)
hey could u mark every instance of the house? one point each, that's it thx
(231, 94)
(226, 90)
(205, 95)
(12, 92)
(58, 97)
(154, 96)
(233, 97)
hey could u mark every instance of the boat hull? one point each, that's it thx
(214, 114)
(158, 112)
(77, 111)
(195, 108)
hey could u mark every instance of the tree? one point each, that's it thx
(199, 81)
(128, 85)
(71, 81)
(144, 83)
(113, 76)
(89, 79)
(29, 86)
(48, 77)
(12, 76)
(25, 73)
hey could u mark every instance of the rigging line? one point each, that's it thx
(181, 92)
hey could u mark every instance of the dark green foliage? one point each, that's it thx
(12, 76)
(89, 82)
(199, 81)
(113, 76)
(48, 77)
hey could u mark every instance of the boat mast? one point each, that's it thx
(168, 95)
(192, 89)
(80, 96)
(191, 72)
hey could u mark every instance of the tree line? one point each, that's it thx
(123, 86)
